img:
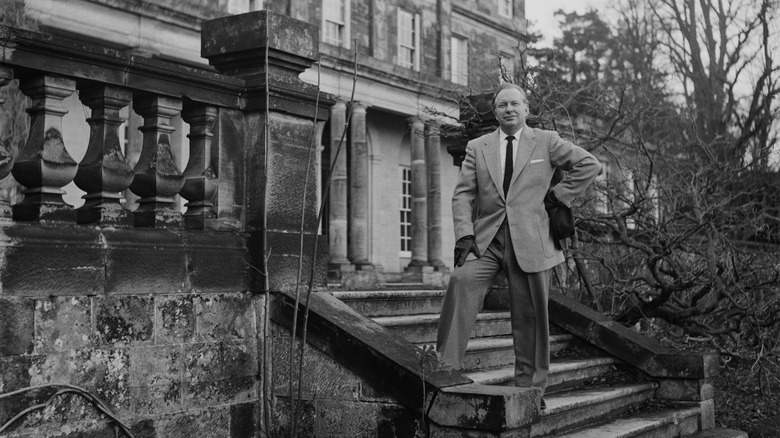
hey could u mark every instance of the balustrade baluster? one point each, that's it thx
(6, 152)
(157, 179)
(200, 178)
(43, 165)
(104, 171)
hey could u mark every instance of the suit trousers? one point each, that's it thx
(528, 295)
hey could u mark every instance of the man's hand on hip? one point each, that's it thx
(463, 247)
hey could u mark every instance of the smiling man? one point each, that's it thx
(501, 224)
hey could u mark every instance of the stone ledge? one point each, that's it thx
(42, 261)
(631, 347)
(486, 408)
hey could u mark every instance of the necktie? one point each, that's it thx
(508, 164)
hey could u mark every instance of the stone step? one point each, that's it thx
(664, 423)
(564, 373)
(569, 410)
(498, 351)
(720, 433)
(392, 302)
(422, 328)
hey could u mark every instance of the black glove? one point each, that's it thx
(463, 247)
(550, 200)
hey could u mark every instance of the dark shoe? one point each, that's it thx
(543, 406)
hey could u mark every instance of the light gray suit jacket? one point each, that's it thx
(479, 206)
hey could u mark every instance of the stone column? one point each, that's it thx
(433, 162)
(200, 177)
(6, 153)
(43, 165)
(419, 193)
(278, 126)
(104, 171)
(157, 178)
(337, 207)
(358, 188)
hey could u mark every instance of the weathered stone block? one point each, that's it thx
(217, 262)
(52, 368)
(283, 262)
(145, 262)
(124, 319)
(15, 372)
(51, 261)
(174, 319)
(220, 373)
(16, 326)
(62, 323)
(396, 421)
(225, 317)
(244, 420)
(144, 429)
(213, 422)
(486, 408)
(707, 416)
(684, 389)
(155, 379)
(106, 373)
(360, 422)
(322, 376)
(281, 411)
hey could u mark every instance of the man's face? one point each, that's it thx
(511, 110)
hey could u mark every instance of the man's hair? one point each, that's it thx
(509, 86)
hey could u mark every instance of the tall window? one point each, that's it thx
(505, 8)
(406, 212)
(408, 39)
(459, 47)
(243, 6)
(507, 64)
(335, 22)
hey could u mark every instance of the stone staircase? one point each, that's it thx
(591, 394)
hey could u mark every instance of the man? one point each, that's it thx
(501, 224)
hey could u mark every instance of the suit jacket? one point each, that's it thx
(479, 206)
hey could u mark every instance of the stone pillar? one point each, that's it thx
(104, 171)
(43, 165)
(433, 162)
(337, 207)
(157, 178)
(358, 188)
(200, 177)
(419, 192)
(6, 152)
(278, 122)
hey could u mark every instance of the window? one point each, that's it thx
(335, 22)
(406, 212)
(460, 60)
(408, 40)
(507, 66)
(505, 8)
(244, 6)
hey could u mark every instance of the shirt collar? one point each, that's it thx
(502, 137)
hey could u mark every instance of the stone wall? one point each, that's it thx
(158, 325)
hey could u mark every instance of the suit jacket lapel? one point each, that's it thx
(525, 146)
(493, 161)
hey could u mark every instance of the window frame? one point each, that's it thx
(506, 8)
(460, 75)
(407, 42)
(342, 22)
(405, 216)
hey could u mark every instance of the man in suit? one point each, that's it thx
(501, 224)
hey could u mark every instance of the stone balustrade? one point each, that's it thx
(51, 70)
